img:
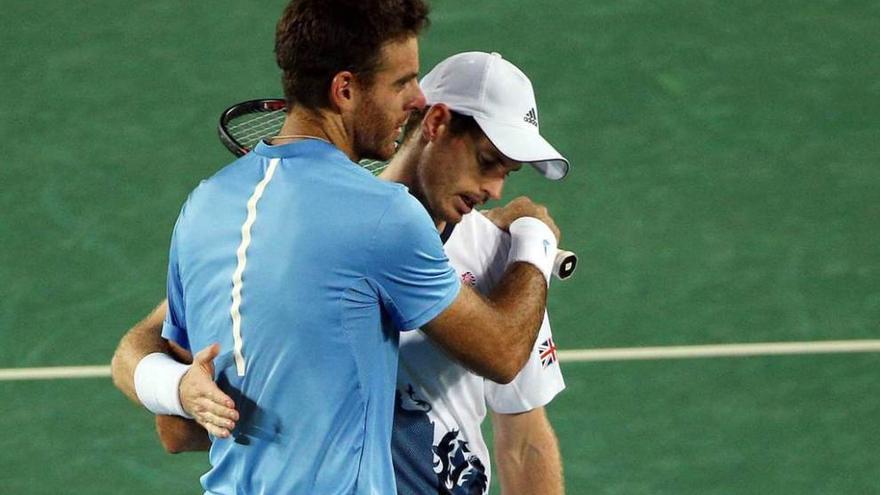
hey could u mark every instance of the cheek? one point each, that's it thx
(376, 114)
(391, 104)
(433, 180)
(450, 176)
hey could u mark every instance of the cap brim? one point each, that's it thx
(525, 144)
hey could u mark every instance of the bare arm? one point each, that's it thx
(527, 453)
(142, 339)
(178, 434)
(494, 336)
(199, 394)
(181, 435)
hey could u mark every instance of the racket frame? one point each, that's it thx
(261, 105)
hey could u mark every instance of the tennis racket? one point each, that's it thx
(244, 124)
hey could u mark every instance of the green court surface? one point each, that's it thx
(724, 189)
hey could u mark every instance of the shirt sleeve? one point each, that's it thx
(174, 326)
(416, 282)
(536, 384)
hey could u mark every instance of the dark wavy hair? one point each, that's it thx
(316, 39)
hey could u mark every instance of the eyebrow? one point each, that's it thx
(407, 77)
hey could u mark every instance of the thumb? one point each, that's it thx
(205, 357)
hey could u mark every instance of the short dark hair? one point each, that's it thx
(316, 39)
(458, 124)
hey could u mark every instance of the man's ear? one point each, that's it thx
(436, 122)
(343, 92)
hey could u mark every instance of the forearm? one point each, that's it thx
(181, 435)
(142, 339)
(493, 336)
(519, 301)
(520, 474)
(176, 433)
(527, 454)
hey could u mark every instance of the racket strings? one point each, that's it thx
(373, 166)
(249, 129)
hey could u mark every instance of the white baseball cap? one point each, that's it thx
(500, 98)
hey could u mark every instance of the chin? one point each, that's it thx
(389, 152)
(386, 152)
(371, 154)
(453, 217)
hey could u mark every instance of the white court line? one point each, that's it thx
(54, 372)
(576, 355)
(720, 350)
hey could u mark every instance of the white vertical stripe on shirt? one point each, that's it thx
(242, 262)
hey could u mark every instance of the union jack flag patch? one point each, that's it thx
(547, 352)
(469, 279)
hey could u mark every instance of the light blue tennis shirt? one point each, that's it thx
(313, 265)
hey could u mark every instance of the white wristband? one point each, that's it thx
(532, 241)
(156, 381)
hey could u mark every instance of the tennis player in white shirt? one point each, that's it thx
(437, 441)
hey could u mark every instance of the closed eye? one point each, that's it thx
(403, 81)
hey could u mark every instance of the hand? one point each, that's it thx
(522, 207)
(202, 399)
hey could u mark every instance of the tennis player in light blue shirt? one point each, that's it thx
(304, 267)
(330, 341)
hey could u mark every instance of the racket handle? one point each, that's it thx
(564, 264)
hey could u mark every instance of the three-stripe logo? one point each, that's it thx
(532, 117)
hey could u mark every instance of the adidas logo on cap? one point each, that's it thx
(531, 118)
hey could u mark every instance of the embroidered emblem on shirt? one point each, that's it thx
(547, 352)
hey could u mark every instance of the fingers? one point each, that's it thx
(199, 383)
(209, 410)
(213, 410)
(522, 207)
(216, 425)
(202, 399)
(199, 393)
(217, 431)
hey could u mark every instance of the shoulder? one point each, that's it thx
(235, 178)
(477, 246)
(399, 229)
(403, 211)
(475, 228)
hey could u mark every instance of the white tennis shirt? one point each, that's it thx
(437, 443)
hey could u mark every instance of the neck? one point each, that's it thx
(403, 166)
(403, 169)
(302, 123)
